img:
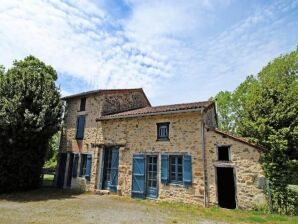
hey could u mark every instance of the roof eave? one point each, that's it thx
(258, 147)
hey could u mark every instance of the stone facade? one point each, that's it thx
(138, 134)
(244, 160)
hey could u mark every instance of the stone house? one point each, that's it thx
(115, 141)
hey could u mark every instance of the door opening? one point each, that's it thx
(107, 168)
(110, 163)
(61, 171)
(151, 177)
(226, 187)
(69, 173)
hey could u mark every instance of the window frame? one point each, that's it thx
(163, 138)
(229, 153)
(83, 101)
(176, 172)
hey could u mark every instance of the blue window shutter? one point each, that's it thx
(165, 168)
(88, 167)
(138, 176)
(187, 171)
(114, 170)
(80, 127)
(75, 165)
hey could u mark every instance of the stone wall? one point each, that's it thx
(115, 103)
(96, 105)
(93, 107)
(244, 159)
(139, 135)
(210, 118)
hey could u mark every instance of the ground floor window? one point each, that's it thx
(176, 169)
(85, 167)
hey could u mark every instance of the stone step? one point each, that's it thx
(102, 192)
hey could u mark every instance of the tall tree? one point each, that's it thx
(30, 113)
(225, 111)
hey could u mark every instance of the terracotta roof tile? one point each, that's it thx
(159, 109)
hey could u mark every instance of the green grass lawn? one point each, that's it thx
(226, 215)
(47, 180)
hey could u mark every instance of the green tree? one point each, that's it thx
(30, 113)
(270, 119)
(225, 111)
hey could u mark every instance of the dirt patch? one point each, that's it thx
(81, 208)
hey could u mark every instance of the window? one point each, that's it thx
(223, 153)
(83, 104)
(163, 131)
(85, 167)
(176, 168)
(83, 164)
(80, 127)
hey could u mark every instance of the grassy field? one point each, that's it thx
(226, 215)
(50, 205)
(47, 180)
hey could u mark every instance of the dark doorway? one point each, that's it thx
(61, 171)
(69, 173)
(226, 187)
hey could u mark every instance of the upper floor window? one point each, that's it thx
(80, 127)
(163, 131)
(83, 104)
(223, 153)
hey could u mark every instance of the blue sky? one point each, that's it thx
(178, 51)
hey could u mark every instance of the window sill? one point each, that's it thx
(162, 139)
(181, 185)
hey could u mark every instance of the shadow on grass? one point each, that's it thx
(40, 194)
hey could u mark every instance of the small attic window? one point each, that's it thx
(223, 153)
(83, 104)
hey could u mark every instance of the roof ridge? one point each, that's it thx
(99, 91)
(177, 104)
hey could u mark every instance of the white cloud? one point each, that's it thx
(73, 38)
(161, 45)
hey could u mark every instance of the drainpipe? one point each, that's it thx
(204, 160)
